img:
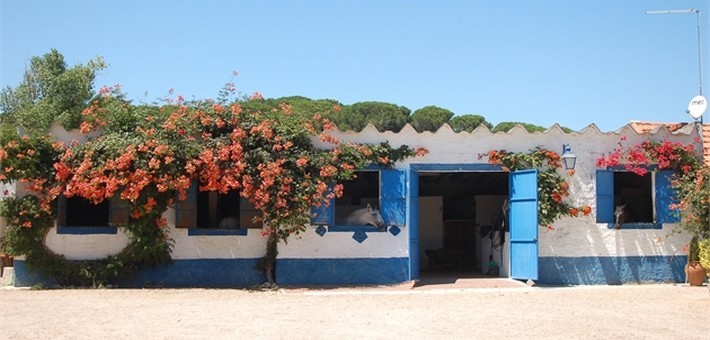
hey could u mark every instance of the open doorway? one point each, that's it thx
(462, 225)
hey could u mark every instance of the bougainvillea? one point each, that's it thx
(148, 156)
(552, 188)
(691, 179)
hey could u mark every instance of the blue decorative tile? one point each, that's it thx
(321, 230)
(360, 236)
(395, 230)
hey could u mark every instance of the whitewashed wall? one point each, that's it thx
(571, 236)
(579, 236)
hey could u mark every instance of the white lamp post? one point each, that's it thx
(568, 157)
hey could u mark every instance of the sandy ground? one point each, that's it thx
(592, 312)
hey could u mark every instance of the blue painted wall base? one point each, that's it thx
(232, 273)
(565, 271)
(205, 273)
(325, 272)
(23, 277)
(237, 273)
(208, 273)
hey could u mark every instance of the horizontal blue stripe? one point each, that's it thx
(24, 277)
(363, 228)
(358, 271)
(456, 167)
(223, 273)
(215, 232)
(553, 271)
(207, 273)
(69, 230)
(611, 270)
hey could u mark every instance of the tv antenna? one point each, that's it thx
(698, 104)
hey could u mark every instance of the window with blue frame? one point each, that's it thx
(77, 215)
(382, 190)
(360, 203)
(628, 200)
(213, 210)
(80, 212)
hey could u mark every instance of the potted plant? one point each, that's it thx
(694, 270)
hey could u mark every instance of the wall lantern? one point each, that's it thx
(568, 157)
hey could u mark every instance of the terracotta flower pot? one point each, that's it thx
(695, 273)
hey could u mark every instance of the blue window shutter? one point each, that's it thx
(605, 196)
(323, 215)
(665, 196)
(393, 202)
(186, 211)
(61, 210)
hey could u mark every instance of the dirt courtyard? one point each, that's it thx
(591, 312)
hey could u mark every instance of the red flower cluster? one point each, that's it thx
(637, 158)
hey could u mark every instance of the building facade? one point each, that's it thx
(441, 212)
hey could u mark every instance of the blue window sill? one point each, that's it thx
(98, 230)
(639, 225)
(216, 232)
(351, 228)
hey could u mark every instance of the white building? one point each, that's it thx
(437, 209)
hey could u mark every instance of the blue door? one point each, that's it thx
(413, 225)
(523, 225)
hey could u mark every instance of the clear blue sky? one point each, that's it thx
(541, 62)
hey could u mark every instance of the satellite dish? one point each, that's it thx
(697, 107)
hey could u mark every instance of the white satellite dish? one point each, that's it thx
(697, 107)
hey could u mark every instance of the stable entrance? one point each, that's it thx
(462, 220)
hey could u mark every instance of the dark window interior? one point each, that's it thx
(212, 207)
(634, 192)
(81, 212)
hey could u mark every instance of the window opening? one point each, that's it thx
(215, 210)
(360, 202)
(633, 198)
(81, 212)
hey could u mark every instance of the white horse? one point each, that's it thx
(229, 222)
(366, 216)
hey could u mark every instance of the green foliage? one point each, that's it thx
(430, 118)
(704, 254)
(323, 107)
(566, 129)
(49, 92)
(506, 126)
(468, 122)
(26, 156)
(694, 249)
(384, 116)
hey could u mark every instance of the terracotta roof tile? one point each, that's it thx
(642, 127)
